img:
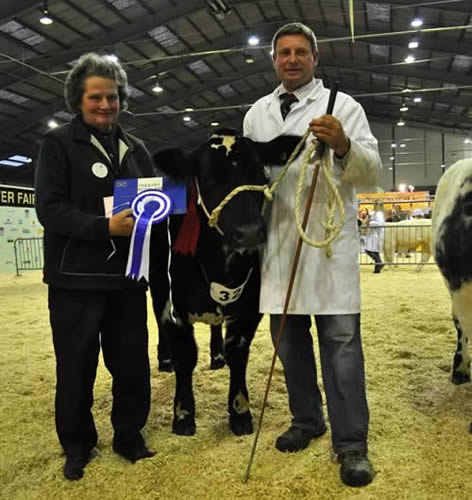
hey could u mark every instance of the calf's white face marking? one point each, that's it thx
(228, 141)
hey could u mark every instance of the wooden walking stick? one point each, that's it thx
(321, 150)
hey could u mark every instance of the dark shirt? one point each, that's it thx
(109, 141)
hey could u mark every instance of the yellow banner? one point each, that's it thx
(393, 197)
(412, 203)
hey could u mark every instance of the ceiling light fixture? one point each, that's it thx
(45, 17)
(220, 8)
(52, 124)
(186, 118)
(409, 58)
(413, 44)
(253, 40)
(416, 23)
(417, 99)
(248, 58)
(400, 123)
(404, 108)
(157, 88)
(214, 123)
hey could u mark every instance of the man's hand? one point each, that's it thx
(329, 130)
(121, 224)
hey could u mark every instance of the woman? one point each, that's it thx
(374, 238)
(91, 302)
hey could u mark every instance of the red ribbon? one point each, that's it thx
(189, 233)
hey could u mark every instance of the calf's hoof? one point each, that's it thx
(459, 378)
(217, 362)
(241, 424)
(184, 426)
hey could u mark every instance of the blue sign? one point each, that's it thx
(126, 191)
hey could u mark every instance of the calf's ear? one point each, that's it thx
(174, 163)
(278, 150)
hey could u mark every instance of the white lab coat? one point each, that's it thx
(323, 285)
(375, 233)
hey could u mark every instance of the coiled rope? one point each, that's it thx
(334, 201)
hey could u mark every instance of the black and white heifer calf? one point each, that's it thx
(452, 246)
(212, 273)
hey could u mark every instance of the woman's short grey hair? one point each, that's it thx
(92, 64)
(296, 29)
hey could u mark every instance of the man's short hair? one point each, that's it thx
(296, 29)
(92, 64)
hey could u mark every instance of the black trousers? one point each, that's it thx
(81, 321)
(342, 364)
(375, 256)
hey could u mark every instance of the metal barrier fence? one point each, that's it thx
(403, 243)
(29, 254)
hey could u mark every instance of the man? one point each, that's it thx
(328, 288)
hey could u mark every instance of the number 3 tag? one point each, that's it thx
(224, 295)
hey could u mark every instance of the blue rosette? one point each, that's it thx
(150, 206)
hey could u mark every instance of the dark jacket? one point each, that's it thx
(73, 176)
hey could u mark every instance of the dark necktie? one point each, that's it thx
(286, 100)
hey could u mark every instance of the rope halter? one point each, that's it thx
(334, 202)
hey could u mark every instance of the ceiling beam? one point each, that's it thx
(27, 120)
(461, 6)
(14, 8)
(146, 23)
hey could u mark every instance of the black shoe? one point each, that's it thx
(296, 439)
(356, 469)
(134, 452)
(75, 465)
(378, 268)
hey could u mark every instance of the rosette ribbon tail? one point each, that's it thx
(148, 207)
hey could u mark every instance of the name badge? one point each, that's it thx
(224, 295)
(99, 170)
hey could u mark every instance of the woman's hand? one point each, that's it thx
(122, 223)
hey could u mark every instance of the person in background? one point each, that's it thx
(398, 215)
(363, 227)
(375, 234)
(91, 302)
(328, 288)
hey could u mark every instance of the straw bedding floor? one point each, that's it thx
(419, 440)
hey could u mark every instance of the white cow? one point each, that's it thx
(452, 246)
(406, 236)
